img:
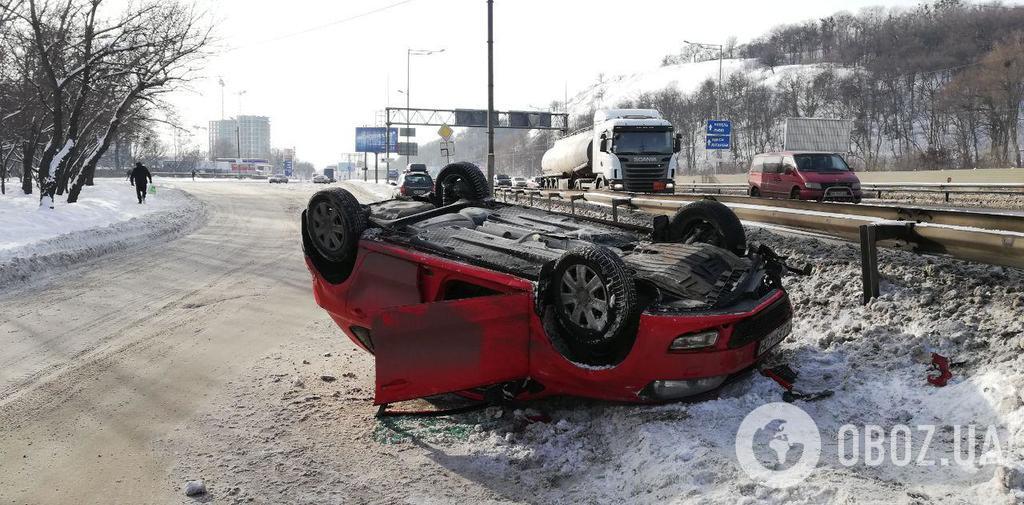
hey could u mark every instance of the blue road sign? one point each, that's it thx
(287, 168)
(719, 127)
(372, 140)
(717, 142)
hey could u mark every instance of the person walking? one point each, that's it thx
(193, 174)
(138, 177)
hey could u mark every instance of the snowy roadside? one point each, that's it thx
(285, 434)
(36, 243)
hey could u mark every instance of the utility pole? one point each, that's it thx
(220, 80)
(490, 93)
(409, 53)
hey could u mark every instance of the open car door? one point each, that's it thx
(442, 347)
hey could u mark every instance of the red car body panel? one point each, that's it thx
(424, 345)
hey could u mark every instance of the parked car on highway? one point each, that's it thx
(519, 182)
(502, 180)
(321, 179)
(457, 292)
(415, 184)
(278, 179)
(803, 176)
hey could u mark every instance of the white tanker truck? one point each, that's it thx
(626, 150)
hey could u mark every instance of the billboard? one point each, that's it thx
(372, 140)
(817, 134)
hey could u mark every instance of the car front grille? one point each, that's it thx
(761, 324)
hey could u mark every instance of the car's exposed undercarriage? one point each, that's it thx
(674, 276)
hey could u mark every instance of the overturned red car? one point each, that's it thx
(456, 292)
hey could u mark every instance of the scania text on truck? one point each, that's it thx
(625, 150)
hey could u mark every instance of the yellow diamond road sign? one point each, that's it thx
(445, 132)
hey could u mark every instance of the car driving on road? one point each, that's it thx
(458, 292)
(519, 182)
(502, 180)
(278, 179)
(803, 176)
(415, 184)
(321, 179)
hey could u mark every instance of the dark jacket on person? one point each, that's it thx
(139, 175)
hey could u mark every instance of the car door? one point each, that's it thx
(442, 347)
(771, 175)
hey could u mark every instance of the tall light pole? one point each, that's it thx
(220, 80)
(238, 126)
(409, 53)
(490, 93)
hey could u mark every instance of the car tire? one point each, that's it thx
(334, 223)
(794, 194)
(598, 317)
(460, 181)
(709, 222)
(754, 192)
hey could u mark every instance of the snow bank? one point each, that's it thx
(107, 218)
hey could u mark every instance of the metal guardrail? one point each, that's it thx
(987, 188)
(986, 237)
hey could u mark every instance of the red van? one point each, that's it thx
(803, 176)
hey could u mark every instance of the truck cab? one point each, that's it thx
(634, 150)
(626, 150)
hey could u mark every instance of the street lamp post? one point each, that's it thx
(409, 53)
(238, 126)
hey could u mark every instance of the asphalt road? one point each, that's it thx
(100, 365)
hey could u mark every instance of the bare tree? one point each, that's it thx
(88, 73)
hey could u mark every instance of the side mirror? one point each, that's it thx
(790, 170)
(677, 143)
(603, 146)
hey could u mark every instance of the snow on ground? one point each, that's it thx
(36, 241)
(283, 434)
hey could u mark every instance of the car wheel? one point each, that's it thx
(754, 192)
(460, 181)
(709, 222)
(594, 300)
(334, 223)
(794, 194)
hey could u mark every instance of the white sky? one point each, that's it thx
(317, 86)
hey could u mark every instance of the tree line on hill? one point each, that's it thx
(936, 86)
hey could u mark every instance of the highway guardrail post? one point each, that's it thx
(572, 202)
(870, 234)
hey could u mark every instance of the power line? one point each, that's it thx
(321, 27)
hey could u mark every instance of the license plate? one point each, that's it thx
(418, 191)
(774, 337)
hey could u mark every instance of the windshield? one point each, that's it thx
(417, 179)
(643, 142)
(821, 163)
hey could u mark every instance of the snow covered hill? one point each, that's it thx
(687, 77)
